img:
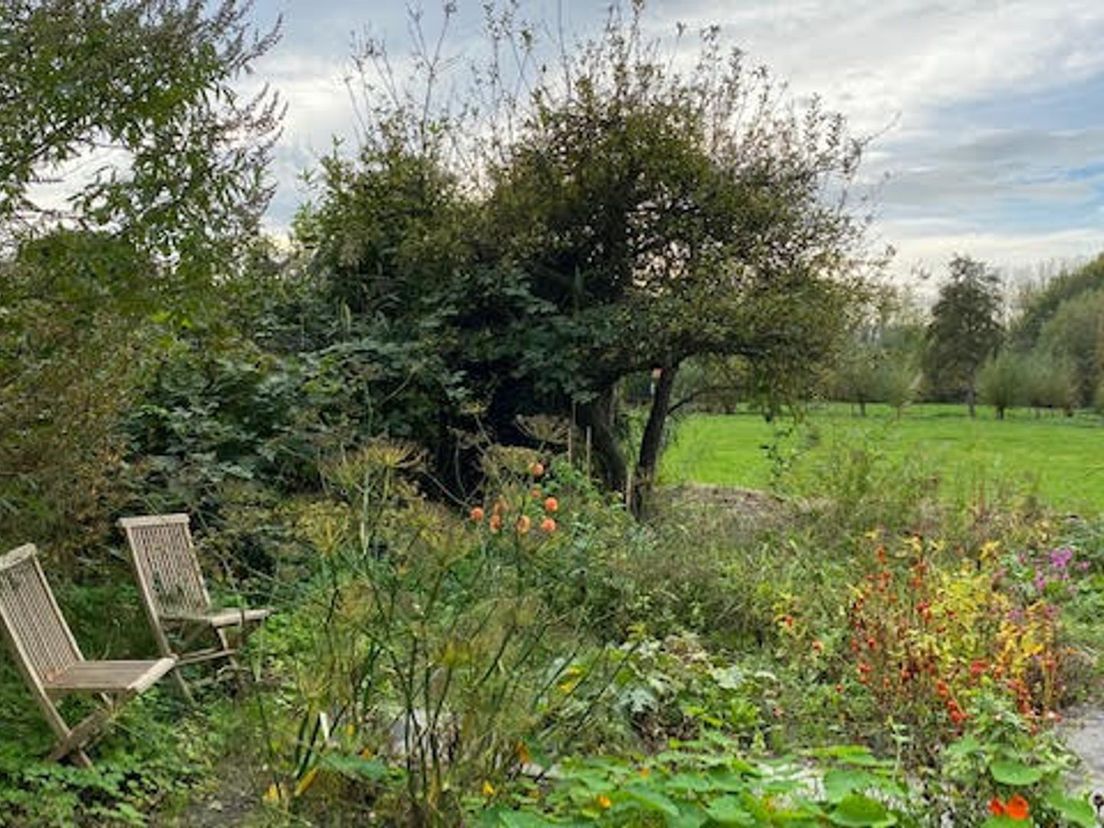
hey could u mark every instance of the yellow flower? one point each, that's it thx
(488, 789)
(604, 802)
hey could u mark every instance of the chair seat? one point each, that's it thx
(223, 618)
(110, 676)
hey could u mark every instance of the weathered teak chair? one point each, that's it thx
(174, 593)
(51, 662)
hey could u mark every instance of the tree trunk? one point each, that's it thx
(598, 415)
(970, 394)
(862, 408)
(652, 441)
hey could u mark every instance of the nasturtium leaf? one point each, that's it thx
(1077, 811)
(838, 783)
(729, 810)
(652, 800)
(1011, 772)
(858, 811)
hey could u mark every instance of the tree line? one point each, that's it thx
(1043, 348)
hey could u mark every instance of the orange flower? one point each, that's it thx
(818, 646)
(548, 525)
(537, 469)
(476, 514)
(604, 802)
(996, 807)
(551, 505)
(495, 522)
(535, 493)
(524, 524)
(1017, 808)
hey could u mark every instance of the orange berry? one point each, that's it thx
(548, 525)
(476, 514)
(524, 524)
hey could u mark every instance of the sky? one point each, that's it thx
(986, 117)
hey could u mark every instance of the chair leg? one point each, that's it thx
(166, 652)
(73, 742)
(182, 685)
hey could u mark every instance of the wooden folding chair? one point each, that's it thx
(51, 662)
(174, 593)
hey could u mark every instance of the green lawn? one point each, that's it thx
(1060, 458)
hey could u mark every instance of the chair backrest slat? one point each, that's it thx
(165, 561)
(31, 616)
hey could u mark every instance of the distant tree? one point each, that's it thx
(857, 378)
(897, 381)
(1051, 383)
(1003, 381)
(965, 328)
(1041, 302)
(1075, 333)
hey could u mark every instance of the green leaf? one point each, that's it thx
(838, 783)
(522, 819)
(729, 810)
(860, 811)
(1011, 772)
(353, 766)
(652, 800)
(1071, 809)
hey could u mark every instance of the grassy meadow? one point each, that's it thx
(1057, 458)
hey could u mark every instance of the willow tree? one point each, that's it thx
(127, 116)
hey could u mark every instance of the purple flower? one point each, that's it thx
(1060, 557)
(1040, 582)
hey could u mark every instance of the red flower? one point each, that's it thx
(1017, 808)
(996, 807)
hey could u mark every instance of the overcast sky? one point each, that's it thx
(990, 113)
